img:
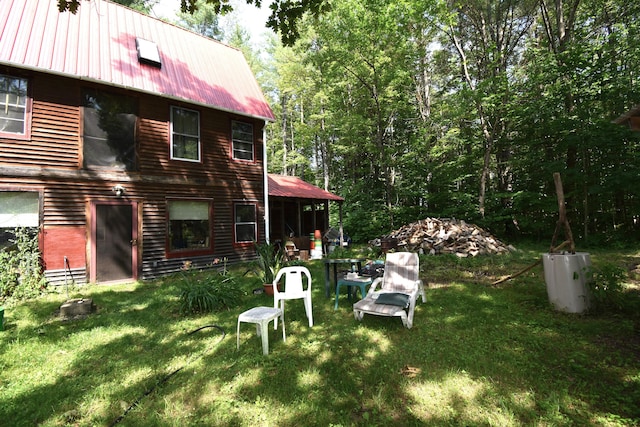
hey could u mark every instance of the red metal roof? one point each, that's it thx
(291, 186)
(98, 43)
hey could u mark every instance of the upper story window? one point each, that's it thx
(14, 106)
(245, 223)
(242, 140)
(109, 130)
(185, 134)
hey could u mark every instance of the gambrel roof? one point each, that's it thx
(99, 44)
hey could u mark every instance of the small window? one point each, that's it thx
(13, 105)
(185, 134)
(18, 209)
(245, 223)
(189, 225)
(242, 140)
(109, 131)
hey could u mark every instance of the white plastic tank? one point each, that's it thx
(566, 277)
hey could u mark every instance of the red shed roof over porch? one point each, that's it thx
(294, 187)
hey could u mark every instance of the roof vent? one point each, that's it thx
(148, 52)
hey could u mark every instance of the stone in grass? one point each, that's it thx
(76, 307)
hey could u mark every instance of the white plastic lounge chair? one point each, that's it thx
(398, 291)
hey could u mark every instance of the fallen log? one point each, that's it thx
(553, 250)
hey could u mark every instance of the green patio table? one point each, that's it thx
(360, 282)
(355, 263)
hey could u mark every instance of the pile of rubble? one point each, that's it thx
(443, 236)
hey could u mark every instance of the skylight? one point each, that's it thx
(148, 52)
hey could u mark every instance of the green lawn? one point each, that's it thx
(477, 355)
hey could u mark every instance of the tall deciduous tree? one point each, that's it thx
(204, 20)
(576, 78)
(487, 39)
(284, 19)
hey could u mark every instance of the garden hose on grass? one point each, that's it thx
(168, 376)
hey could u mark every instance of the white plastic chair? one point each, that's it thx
(293, 288)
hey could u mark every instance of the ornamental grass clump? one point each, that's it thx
(270, 259)
(206, 292)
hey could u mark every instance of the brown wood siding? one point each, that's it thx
(54, 127)
(55, 130)
(64, 203)
(65, 208)
(77, 276)
(215, 139)
(154, 260)
(50, 160)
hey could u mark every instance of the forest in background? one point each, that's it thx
(413, 109)
(457, 109)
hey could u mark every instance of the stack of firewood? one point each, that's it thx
(443, 236)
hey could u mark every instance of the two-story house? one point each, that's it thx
(131, 145)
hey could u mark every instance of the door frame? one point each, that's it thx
(135, 242)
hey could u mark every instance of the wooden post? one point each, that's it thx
(298, 218)
(341, 227)
(562, 220)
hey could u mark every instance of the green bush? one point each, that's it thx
(21, 274)
(205, 292)
(605, 283)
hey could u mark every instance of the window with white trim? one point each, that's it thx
(18, 209)
(242, 140)
(245, 223)
(13, 105)
(189, 225)
(185, 134)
